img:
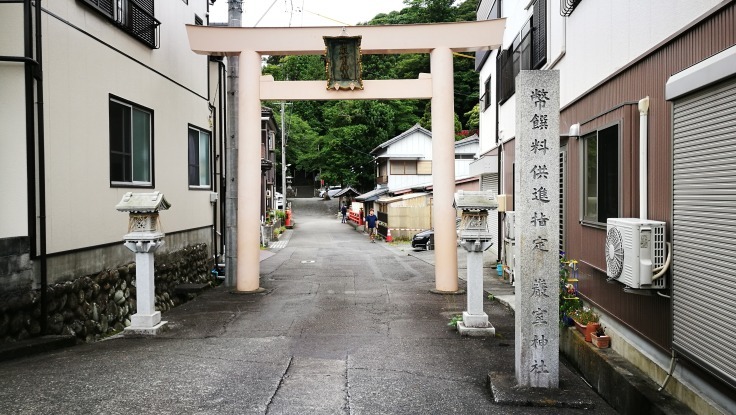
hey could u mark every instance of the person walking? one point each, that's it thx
(344, 211)
(370, 221)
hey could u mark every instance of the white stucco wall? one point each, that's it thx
(487, 117)
(13, 174)
(598, 38)
(603, 36)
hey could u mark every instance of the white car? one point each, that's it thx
(278, 200)
(329, 192)
(333, 190)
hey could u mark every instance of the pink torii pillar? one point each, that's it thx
(440, 40)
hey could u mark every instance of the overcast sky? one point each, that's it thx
(297, 13)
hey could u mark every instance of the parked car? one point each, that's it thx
(425, 239)
(278, 200)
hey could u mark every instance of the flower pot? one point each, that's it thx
(587, 330)
(600, 342)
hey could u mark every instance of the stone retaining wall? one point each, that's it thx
(94, 306)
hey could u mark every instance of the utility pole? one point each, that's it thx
(283, 156)
(235, 15)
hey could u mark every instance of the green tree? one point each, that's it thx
(473, 117)
(336, 137)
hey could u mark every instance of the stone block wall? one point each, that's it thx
(16, 267)
(93, 306)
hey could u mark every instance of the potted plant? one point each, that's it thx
(600, 339)
(569, 301)
(586, 321)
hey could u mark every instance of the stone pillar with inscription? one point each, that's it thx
(537, 228)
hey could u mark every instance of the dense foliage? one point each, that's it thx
(332, 140)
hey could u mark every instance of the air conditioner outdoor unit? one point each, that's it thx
(509, 230)
(509, 243)
(634, 249)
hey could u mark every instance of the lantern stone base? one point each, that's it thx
(489, 331)
(145, 324)
(146, 331)
(145, 320)
(475, 325)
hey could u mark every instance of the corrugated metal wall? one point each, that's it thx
(704, 222)
(614, 101)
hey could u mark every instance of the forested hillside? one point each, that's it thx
(332, 139)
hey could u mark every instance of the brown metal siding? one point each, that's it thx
(509, 151)
(615, 101)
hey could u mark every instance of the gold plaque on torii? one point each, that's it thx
(343, 62)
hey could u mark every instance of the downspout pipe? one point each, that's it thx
(643, 157)
(41, 168)
(215, 131)
(35, 145)
(223, 150)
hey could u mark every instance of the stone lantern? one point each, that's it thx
(144, 237)
(475, 237)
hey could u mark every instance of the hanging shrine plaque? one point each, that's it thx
(344, 67)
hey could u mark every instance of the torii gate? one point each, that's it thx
(440, 40)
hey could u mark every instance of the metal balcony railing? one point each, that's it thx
(134, 17)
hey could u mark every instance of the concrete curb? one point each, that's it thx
(615, 379)
(34, 346)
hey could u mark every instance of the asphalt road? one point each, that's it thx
(344, 327)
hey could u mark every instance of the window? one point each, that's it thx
(488, 9)
(199, 158)
(403, 167)
(527, 51)
(600, 175)
(131, 144)
(136, 17)
(486, 100)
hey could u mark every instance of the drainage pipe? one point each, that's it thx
(643, 157)
(673, 362)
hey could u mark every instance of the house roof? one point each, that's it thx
(467, 140)
(401, 197)
(405, 134)
(462, 180)
(372, 195)
(345, 191)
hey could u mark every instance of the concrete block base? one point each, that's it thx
(146, 331)
(505, 391)
(479, 320)
(617, 380)
(145, 320)
(488, 331)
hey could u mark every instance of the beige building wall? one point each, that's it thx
(80, 75)
(13, 184)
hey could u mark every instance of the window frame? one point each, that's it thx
(394, 166)
(600, 217)
(210, 161)
(486, 98)
(528, 50)
(151, 145)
